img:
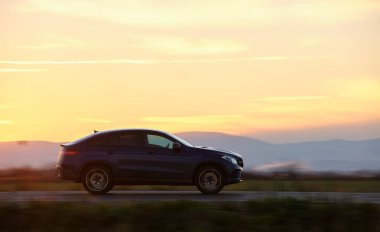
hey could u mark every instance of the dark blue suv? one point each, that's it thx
(139, 156)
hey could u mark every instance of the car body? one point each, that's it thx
(143, 156)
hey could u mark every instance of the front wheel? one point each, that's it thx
(97, 179)
(209, 180)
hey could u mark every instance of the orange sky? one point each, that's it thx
(240, 67)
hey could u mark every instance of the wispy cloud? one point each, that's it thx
(363, 88)
(337, 11)
(46, 46)
(55, 41)
(279, 58)
(94, 120)
(5, 122)
(173, 14)
(169, 14)
(208, 119)
(5, 106)
(311, 41)
(157, 61)
(208, 46)
(64, 62)
(291, 98)
(22, 70)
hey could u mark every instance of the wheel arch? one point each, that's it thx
(96, 162)
(203, 164)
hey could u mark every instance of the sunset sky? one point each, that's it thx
(238, 67)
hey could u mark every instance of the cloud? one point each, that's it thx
(279, 58)
(334, 11)
(47, 46)
(366, 88)
(55, 41)
(168, 14)
(64, 62)
(312, 41)
(284, 106)
(203, 119)
(157, 61)
(94, 120)
(5, 106)
(291, 98)
(5, 122)
(174, 45)
(179, 14)
(22, 70)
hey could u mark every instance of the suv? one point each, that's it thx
(139, 156)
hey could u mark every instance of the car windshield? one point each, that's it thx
(180, 140)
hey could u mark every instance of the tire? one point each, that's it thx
(209, 179)
(97, 179)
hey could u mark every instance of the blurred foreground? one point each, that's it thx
(267, 215)
(35, 200)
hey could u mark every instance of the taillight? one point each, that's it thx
(69, 152)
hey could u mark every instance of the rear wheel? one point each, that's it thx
(209, 179)
(97, 179)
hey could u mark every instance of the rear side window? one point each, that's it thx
(126, 140)
(99, 140)
(83, 140)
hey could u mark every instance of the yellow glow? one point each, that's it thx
(11, 70)
(69, 67)
(208, 119)
(197, 47)
(94, 120)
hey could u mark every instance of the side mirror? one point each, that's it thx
(176, 146)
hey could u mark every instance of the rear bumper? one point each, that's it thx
(66, 172)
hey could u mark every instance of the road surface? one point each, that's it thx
(146, 196)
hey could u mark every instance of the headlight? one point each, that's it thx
(230, 159)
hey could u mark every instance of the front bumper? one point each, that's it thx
(235, 176)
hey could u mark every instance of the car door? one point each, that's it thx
(163, 164)
(126, 152)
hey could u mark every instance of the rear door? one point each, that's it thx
(126, 151)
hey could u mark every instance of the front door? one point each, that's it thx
(163, 164)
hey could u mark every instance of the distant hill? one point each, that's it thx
(332, 155)
(335, 155)
(28, 153)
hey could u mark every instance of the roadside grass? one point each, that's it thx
(249, 185)
(260, 216)
(308, 185)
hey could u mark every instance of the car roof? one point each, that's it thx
(97, 133)
(131, 129)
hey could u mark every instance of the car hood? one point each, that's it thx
(221, 151)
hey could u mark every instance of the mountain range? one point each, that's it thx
(330, 155)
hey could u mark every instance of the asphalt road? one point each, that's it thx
(147, 196)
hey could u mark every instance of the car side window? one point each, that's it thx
(127, 140)
(159, 141)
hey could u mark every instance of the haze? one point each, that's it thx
(260, 68)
